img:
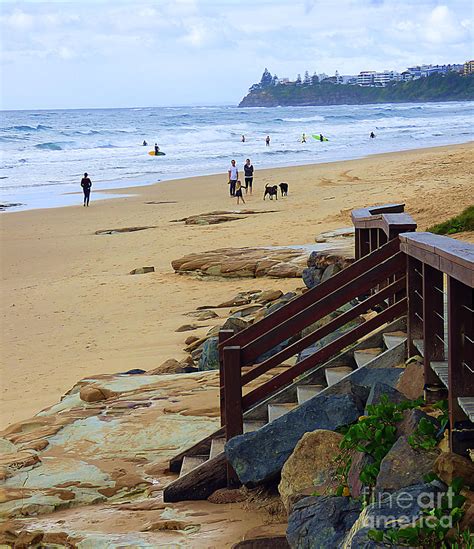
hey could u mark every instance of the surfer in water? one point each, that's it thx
(157, 149)
(321, 137)
(243, 138)
(303, 138)
(372, 135)
(144, 143)
(86, 185)
(267, 141)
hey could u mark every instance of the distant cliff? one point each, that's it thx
(451, 87)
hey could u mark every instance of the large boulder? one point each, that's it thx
(379, 389)
(411, 419)
(209, 359)
(321, 522)
(412, 381)
(448, 466)
(394, 510)
(311, 465)
(403, 466)
(260, 455)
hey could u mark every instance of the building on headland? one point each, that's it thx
(468, 67)
(366, 78)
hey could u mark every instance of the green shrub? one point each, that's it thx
(462, 222)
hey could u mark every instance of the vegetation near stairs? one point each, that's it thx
(460, 223)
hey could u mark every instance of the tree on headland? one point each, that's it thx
(307, 79)
(298, 80)
(266, 79)
(314, 79)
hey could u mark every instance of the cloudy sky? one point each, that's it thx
(101, 53)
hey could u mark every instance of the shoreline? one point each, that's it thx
(126, 190)
(72, 310)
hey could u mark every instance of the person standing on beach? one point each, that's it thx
(233, 176)
(86, 185)
(267, 141)
(248, 170)
(238, 191)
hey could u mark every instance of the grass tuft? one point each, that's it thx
(460, 223)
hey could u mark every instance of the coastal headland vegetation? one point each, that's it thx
(451, 86)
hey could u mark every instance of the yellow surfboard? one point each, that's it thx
(152, 153)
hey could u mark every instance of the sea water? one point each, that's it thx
(44, 153)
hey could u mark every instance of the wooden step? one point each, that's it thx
(190, 463)
(333, 375)
(441, 370)
(467, 404)
(364, 356)
(393, 339)
(419, 346)
(251, 425)
(305, 392)
(217, 446)
(277, 410)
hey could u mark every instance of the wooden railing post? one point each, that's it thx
(233, 392)
(357, 237)
(415, 305)
(223, 335)
(364, 242)
(460, 361)
(233, 402)
(433, 331)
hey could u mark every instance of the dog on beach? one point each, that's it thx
(283, 189)
(272, 191)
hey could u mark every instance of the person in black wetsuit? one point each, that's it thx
(321, 137)
(248, 170)
(157, 149)
(86, 185)
(372, 135)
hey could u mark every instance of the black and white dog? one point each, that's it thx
(272, 191)
(283, 189)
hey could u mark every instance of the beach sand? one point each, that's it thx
(70, 309)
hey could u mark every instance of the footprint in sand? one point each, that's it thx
(347, 177)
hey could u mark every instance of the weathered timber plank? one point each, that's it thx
(200, 448)
(199, 483)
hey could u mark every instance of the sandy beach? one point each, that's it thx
(70, 308)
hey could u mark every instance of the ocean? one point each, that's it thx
(44, 153)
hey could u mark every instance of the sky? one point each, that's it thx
(117, 53)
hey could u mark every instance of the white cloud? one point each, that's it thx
(443, 27)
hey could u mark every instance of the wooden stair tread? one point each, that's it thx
(251, 425)
(392, 339)
(333, 375)
(190, 463)
(467, 404)
(305, 392)
(217, 447)
(419, 344)
(441, 370)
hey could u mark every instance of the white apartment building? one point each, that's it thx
(366, 78)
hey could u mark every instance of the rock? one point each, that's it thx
(448, 466)
(206, 314)
(246, 310)
(93, 393)
(403, 466)
(359, 461)
(191, 339)
(214, 331)
(236, 324)
(410, 421)
(390, 510)
(269, 295)
(412, 380)
(321, 522)
(227, 495)
(187, 328)
(382, 389)
(210, 355)
(311, 277)
(142, 270)
(260, 455)
(170, 366)
(329, 271)
(310, 465)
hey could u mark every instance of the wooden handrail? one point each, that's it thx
(279, 381)
(314, 294)
(325, 330)
(441, 324)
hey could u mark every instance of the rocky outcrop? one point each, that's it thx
(448, 466)
(321, 522)
(259, 456)
(209, 359)
(217, 217)
(311, 466)
(142, 270)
